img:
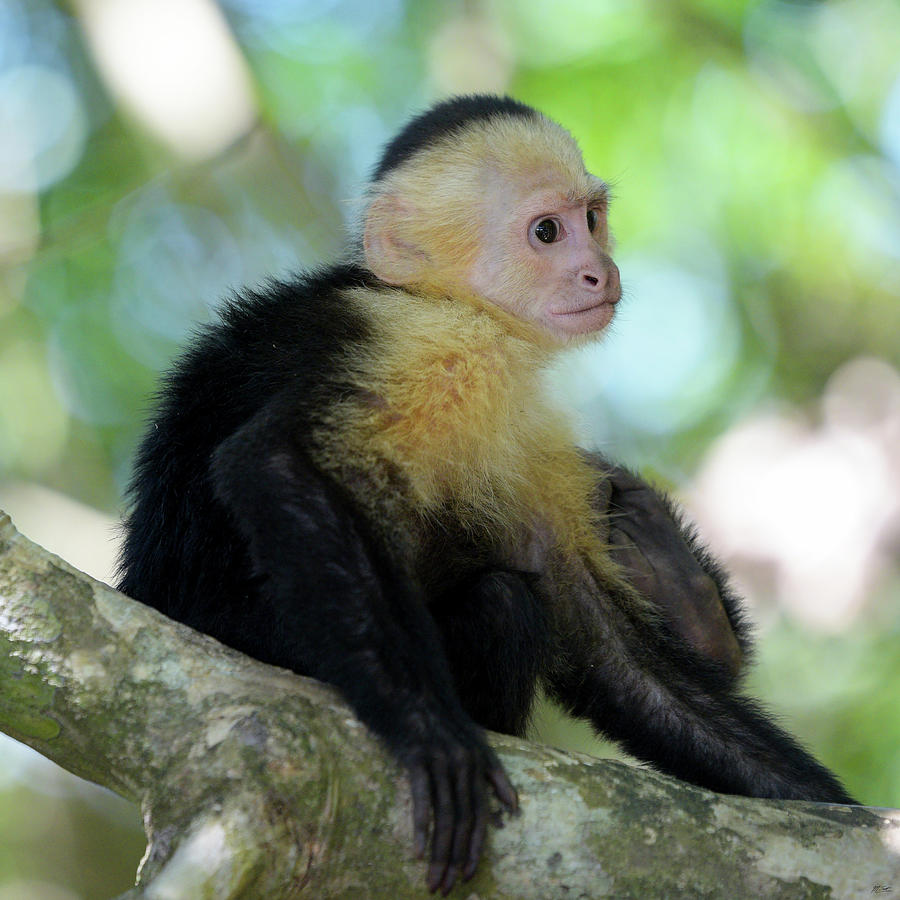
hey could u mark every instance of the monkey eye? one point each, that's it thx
(592, 220)
(546, 231)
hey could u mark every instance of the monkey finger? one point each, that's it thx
(502, 786)
(462, 834)
(479, 830)
(420, 788)
(444, 822)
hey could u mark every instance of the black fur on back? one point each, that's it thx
(442, 120)
(181, 552)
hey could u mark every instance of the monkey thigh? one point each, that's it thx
(497, 641)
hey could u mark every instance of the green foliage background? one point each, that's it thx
(754, 150)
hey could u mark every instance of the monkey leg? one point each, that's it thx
(641, 684)
(662, 558)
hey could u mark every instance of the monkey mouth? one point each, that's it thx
(588, 307)
(589, 318)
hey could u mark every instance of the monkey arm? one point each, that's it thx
(661, 556)
(331, 606)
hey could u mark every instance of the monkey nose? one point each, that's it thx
(593, 280)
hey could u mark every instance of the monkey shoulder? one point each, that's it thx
(283, 340)
(286, 336)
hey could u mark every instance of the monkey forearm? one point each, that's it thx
(332, 607)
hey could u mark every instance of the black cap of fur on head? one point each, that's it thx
(443, 119)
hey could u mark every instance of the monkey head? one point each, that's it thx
(502, 212)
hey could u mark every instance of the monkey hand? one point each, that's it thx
(449, 773)
(660, 560)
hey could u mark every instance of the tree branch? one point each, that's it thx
(256, 783)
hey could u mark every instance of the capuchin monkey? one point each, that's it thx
(356, 474)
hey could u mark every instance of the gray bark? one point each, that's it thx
(256, 783)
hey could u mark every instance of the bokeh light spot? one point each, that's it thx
(43, 128)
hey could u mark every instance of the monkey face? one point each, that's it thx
(544, 252)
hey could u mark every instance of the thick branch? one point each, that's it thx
(256, 783)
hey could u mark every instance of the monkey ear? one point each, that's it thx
(389, 252)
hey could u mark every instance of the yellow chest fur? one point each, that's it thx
(454, 402)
